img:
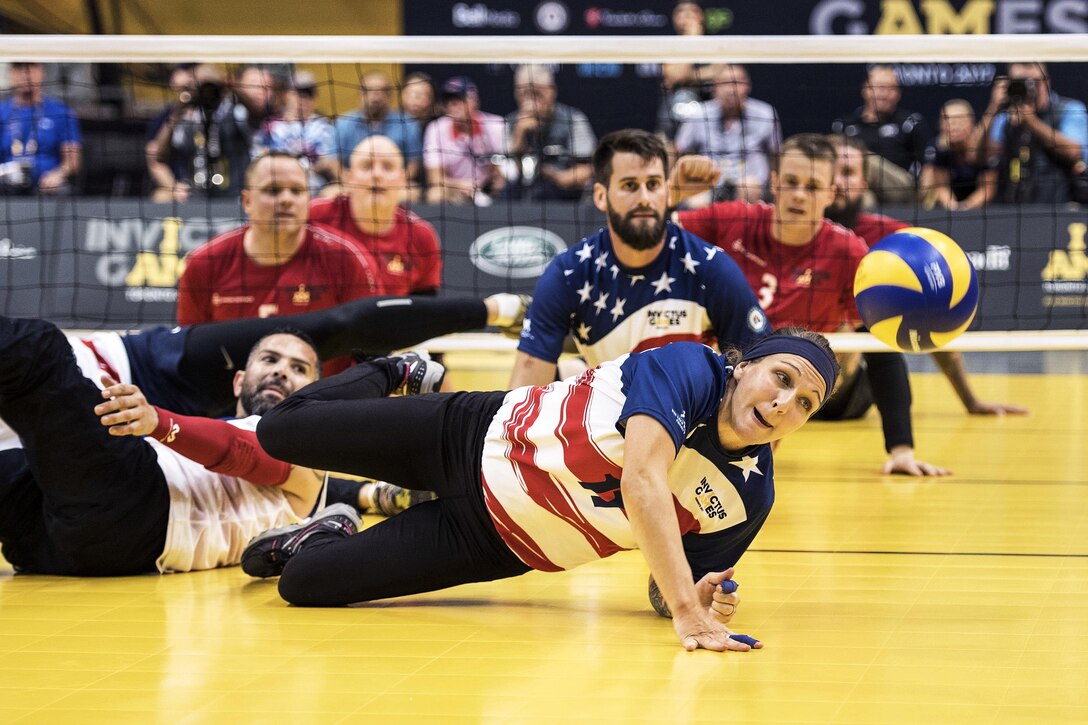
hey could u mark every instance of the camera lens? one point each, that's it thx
(1017, 90)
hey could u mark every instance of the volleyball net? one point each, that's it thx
(106, 252)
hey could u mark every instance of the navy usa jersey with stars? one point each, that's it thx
(692, 291)
(553, 458)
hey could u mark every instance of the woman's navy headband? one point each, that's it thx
(823, 361)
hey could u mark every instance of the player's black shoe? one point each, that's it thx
(421, 374)
(268, 553)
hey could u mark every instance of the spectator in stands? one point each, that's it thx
(739, 133)
(463, 150)
(302, 133)
(376, 115)
(955, 176)
(182, 87)
(370, 214)
(685, 86)
(1038, 137)
(277, 264)
(417, 99)
(257, 89)
(886, 129)
(209, 132)
(40, 141)
(552, 143)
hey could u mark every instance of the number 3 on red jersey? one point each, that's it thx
(766, 292)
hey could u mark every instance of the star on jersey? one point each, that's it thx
(636, 278)
(602, 260)
(617, 309)
(615, 271)
(585, 252)
(663, 284)
(586, 292)
(601, 303)
(672, 242)
(689, 263)
(583, 331)
(747, 465)
(710, 252)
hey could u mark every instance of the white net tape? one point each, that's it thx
(553, 49)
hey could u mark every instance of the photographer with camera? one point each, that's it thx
(552, 142)
(1038, 137)
(40, 141)
(206, 138)
(165, 175)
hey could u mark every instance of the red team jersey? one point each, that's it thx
(409, 257)
(221, 281)
(810, 285)
(874, 227)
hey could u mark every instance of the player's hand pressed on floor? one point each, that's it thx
(981, 407)
(718, 594)
(902, 460)
(697, 629)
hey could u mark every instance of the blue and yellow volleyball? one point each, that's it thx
(916, 290)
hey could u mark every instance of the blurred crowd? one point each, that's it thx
(1029, 144)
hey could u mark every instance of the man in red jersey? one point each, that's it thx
(276, 264)
(802, 268)
(846, 209)
(370, 214)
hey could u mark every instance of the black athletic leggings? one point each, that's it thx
(74, 500)
(881, 379)
(372, 325)
(428, 442)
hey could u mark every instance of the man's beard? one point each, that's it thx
(638, 236)
(845, 212)
(254, 402)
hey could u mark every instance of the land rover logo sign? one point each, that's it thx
(518, 252)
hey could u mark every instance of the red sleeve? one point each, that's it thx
(714, 223)
(351, 269)
(856, 250)
(323, 211)
(360, 278)
(874, 227)
(426, 250)
(220, 447)
(194, 301)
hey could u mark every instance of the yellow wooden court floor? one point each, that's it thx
(880, 600)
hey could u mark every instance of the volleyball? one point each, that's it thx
(916, 290)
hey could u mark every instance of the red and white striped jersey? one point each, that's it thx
(553, 460)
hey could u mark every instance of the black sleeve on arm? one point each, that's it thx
(891, 392)
(374, 325)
